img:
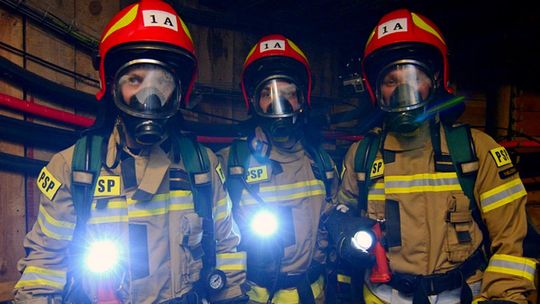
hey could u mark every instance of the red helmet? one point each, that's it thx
(275, 55)
(402, 34)
(150, 29)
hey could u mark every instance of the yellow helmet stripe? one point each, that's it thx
(185, 29)
(426, 27)
(297, 49)
(371, 36)
(250, 53)
(124, 21)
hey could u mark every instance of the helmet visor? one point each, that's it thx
(147, 89)
(403, 87)
(278, 98)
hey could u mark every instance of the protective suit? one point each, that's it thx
(434, 242)
(136, 223)
(281, 191)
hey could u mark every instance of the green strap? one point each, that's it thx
(324, 163)
(86, 158)
(197, 165)
(238, 157)
(460, 147)
(363, 162)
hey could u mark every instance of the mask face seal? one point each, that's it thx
(147, 93)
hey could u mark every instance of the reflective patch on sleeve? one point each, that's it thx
(512, 265)
(107, 186)
(257, 174)
(501, 156)
(220, 173)
(377, 170)
(47, 183)
(34, 276)
(234, 261)
(502, 195)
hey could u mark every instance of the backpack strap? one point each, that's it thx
(324, 165)
(237, 168)
(363, 162)
(197, 165)
(85, 168)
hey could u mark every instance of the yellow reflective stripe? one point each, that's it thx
(421, 176)
(502, 195)
(283, 296)
(113, 204)
(53, 228)
(508, 264)
(223, 208)
(343, 278)
(370, 297)
(312, 182)
(234, 261)
(108, 219)
(424, 182)
(53, 221)
(376, 192)
(286, 197)
(38, 276)
(122, 22)
(426, 27)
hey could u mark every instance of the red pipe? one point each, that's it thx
(519, 144)
(44, 111)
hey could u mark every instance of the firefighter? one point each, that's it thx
(131, 224)
(449, 200)
(280, 184)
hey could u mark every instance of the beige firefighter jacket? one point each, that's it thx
(429, 242)
(144, 205)
(288, 180)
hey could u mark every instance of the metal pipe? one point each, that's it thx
(45, 112)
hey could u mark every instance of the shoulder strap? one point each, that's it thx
(363, 162)
(324, 164)
(85, 168)
(197, 165)
(237, 165)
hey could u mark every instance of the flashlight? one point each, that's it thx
(102, 256)
(363, 240)
(264, 223)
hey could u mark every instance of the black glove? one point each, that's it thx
(341, 228)
(243, 299)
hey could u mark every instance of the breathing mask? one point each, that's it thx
(278, 101)
(404, 89)
(147, 93)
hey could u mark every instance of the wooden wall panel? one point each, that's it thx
(12, 197)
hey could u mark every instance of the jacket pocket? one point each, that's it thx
(191, 251)
(460, 227)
